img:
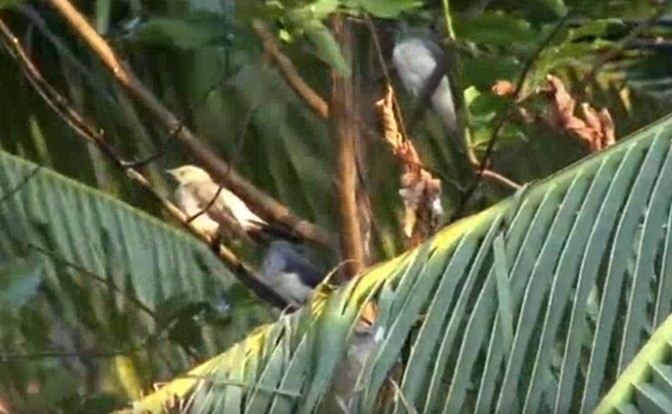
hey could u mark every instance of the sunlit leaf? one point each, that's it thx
(496, 28)
(191, 33)
(545, 270)
(387, 9)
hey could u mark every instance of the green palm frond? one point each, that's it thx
(644, 387)
(537, 304)
(78, 263)
(80, 225)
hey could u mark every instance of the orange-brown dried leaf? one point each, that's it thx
(419, 190)
(563, 104)
(503, 88)
(389, 120)
(596, 129)
(608, 128)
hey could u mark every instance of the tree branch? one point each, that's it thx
(258, 200)
(77, 122)
(344, 133)
(287, 68)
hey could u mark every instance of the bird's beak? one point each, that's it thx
(171, 173)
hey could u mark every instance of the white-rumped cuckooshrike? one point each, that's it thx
(289, 273)
(415, 59)
(195, 192)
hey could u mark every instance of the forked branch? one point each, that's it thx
(267, 206)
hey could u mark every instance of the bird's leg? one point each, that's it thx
(216, 242)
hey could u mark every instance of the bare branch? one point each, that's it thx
(258, 200)
(60, 105)
(100, 279)
(494, 176)
(287, 68)
(344, 132)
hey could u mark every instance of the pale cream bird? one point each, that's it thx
(196, 191)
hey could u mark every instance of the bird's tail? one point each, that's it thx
(267, 232)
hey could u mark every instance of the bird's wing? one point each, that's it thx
(229, 202)
(414, 61)
(191, 206)
(272, 266)
(186, 201)
(240, 210)
(297, 263)
(291, 288)
(204, 192)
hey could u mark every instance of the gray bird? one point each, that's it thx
(415, 59)
(289, 273)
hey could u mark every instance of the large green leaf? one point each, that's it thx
(77, 263)
(107, 237)
(535, 305)
(646, 385)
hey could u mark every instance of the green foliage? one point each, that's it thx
(208, 67)
(43, 210)
(77, 260)
(537, 304)
(191, 33)
(495, 29)
(557, 6)
(5, 4)
(20, 281)
(644, 387)
(387, 9)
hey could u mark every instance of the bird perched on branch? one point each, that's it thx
(289, 273)
(415, 58)
(210, 205)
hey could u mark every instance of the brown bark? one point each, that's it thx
(220, 170)
(344, 129)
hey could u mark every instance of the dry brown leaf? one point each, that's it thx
(596, 129)
(608, 128)
(420, 191)
(390, 126)
(503, 88)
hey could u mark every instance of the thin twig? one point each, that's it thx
(505, 181)
(237, 152)
(527, 69)
(287, 68)
(105, 281)
(21, 184)
(5, 358)
(407, 404)
(449, 20)
(257, 199)
(463, 134)
(57, 102)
